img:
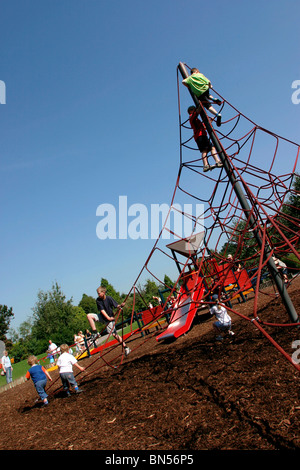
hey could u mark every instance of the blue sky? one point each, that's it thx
(91, 114)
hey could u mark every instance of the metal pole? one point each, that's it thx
(244, 204)
(87, 347)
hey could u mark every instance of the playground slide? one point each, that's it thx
(183, 314)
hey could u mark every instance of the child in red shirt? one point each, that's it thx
(202, 140)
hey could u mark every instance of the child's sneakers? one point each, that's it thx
(94, 336)
(216, 165)
(127, 351)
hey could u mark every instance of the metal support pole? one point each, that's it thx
(87, 347)
(244, 204)
(136, 318)
(176, 261)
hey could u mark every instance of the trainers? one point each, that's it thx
(78, 390)
(219, 164)
(219, 338)
(206, 168)
(127, 351)
(217, 101)
(68, 393)
(219, 117)
(94, 336)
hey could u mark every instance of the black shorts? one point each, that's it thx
(203, 143)
(204, 98)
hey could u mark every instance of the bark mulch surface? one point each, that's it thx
(190, 394)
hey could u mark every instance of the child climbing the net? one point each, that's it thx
(204, 144)
(200, 86)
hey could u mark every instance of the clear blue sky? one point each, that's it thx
(91, 114)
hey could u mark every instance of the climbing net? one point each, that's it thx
(257, 157)
(264, 165)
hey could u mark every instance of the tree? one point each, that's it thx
(150, 290)
(25, 329)
(290, 213)
(88, 304)
(6, 314)
(242, 244)
(52, 317)
(168, 283)
(79, 320)
(145, 294)
(19, 351)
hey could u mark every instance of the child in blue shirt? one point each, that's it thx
(39, 376)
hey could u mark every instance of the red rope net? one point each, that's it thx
(265, 166)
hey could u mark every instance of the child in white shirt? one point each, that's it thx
(223, 323)
(65, 363)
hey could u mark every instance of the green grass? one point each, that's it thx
(20, 369)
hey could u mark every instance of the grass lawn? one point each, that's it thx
(20, 369)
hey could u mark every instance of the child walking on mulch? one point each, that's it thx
(65, 364)
(39, 376)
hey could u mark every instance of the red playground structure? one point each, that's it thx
(203, 278)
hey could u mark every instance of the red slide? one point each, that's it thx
(183, 314)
